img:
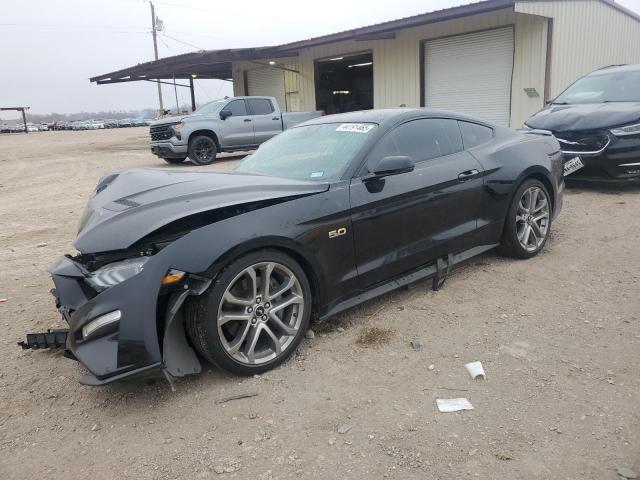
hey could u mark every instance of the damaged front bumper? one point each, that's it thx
(116, 333)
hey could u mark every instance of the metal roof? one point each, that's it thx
(202, 64)
(218, 63)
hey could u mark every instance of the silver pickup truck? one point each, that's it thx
(231, 124)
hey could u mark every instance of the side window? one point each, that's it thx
(260, 106)
(421, 140)
(237, 108)
(474, 134)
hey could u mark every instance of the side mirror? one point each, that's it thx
(224, 114)
(394, 165)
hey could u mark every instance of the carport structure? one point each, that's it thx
(204, 64)
(495, 59)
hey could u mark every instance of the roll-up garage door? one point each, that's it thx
(268, 82)
(471, 74)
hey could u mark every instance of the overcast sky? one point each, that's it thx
(50, 48)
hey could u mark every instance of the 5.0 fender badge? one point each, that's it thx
(338, 232)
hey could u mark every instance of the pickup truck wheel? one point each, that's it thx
(202, 150)
(175, 160)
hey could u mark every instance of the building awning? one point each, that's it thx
(205, 64)
(218, 63)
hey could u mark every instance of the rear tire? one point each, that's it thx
(254, 315)
(202, 150)
(528, 222)
(174, 161)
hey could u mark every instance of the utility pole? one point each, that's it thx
(155, 50)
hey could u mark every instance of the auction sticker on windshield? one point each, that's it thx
(355, 127)
(572, 165)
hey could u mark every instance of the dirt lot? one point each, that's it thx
(559, 337)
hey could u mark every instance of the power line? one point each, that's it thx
(55, 25)
(167, 45)
(213, 38)
(184, 43)
(233, 14)
(89, 32)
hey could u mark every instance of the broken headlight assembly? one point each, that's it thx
(626, 130)
(116, 272)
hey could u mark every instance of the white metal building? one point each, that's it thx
(497, 59)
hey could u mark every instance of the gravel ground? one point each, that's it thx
(559, 338)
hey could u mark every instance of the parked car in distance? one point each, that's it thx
(320, 218)
(227, 125)
(597, 122)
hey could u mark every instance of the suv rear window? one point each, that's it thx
(260, 106)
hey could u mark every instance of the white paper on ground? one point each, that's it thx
(475, 370)
(453, 404)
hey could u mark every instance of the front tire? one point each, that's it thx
(528, 221)
(202, 150)
(254, 315)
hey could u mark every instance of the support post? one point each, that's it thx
(175, 90)
(193, 95)
(155, 50)
(24, 121)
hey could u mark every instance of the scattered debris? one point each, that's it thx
(309, 334)
(453, 389)
(2, 300)
(453, 404)
(503, 454)
(95, 427)
(475, 370)
(235, 397)
(374, 336)
(343, 428)
(431, 367)
(415, 344)
(40, 245)
(626, 473)
(340, 329)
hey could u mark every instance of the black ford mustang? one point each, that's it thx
(231, 267)
(597, 122)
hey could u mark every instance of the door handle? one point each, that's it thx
(275, 118)
(247, 119)
(468, 175)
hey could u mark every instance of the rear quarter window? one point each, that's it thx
(474, 134)
(420, 139)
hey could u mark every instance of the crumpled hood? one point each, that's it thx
(128, 206)
(565, 118)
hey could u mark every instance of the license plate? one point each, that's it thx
(572, 165)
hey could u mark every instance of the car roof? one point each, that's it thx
(616, 69)
(389, 115)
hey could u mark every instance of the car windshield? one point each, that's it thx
(209, 108)
(313, 152)
(610, 87)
